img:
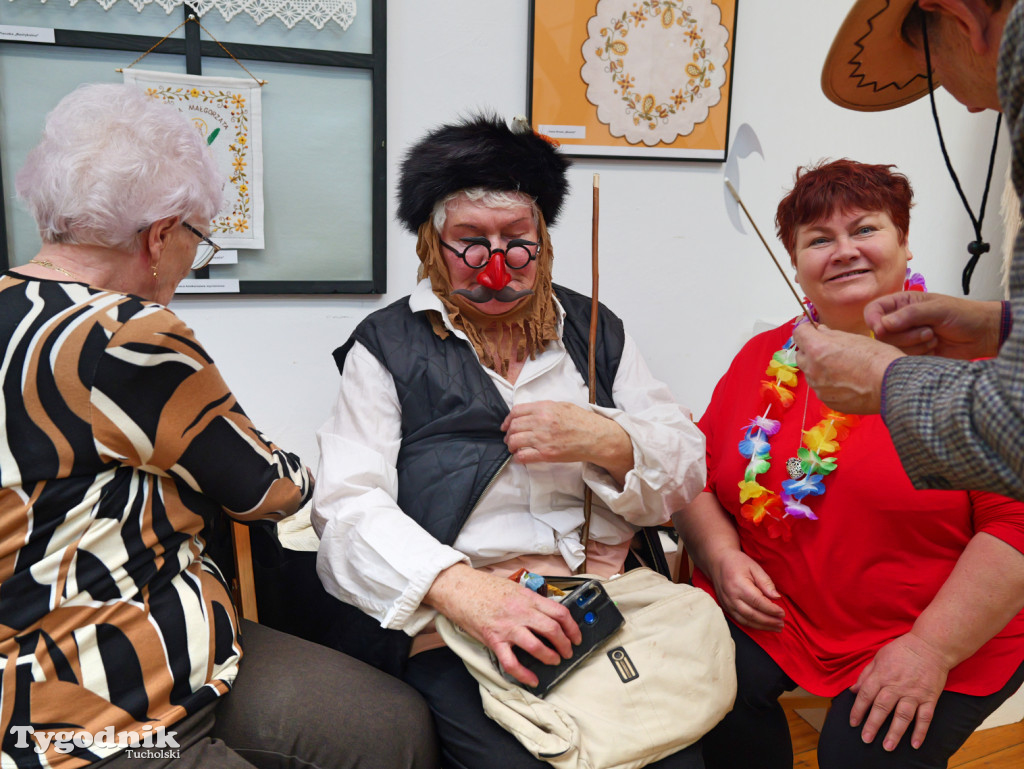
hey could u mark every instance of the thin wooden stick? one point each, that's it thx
(803, 307)
(588, 496)
(591, 353)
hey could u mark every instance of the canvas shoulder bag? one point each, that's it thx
(657, 685)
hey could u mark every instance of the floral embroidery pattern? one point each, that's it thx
(237, 216)
(654, 67)
(645, 107)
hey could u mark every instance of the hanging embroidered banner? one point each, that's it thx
(228, 113)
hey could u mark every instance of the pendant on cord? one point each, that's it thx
(975, 248)
(794, 469)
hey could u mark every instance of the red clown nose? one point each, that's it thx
(494, 275)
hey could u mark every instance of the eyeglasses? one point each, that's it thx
(206, 250)
(478, 252)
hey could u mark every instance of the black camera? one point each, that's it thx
(597, 617)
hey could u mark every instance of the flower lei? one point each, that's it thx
(762, 506)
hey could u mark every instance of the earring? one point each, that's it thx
(155, 276)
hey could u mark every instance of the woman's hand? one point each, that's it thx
(501, 614)
(905, 678)
(746, 591)
(554, 431)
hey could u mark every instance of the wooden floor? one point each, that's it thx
(998, 748)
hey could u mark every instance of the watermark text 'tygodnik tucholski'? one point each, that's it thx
(142, 743)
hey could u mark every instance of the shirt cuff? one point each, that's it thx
(1005, 323)
(885, 388)
(408, 613)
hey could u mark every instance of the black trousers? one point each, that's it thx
(467, 737)
(756, 733)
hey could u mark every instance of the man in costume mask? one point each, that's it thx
(462, 440)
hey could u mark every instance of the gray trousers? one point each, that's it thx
(297, 704)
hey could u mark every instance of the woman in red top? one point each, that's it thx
(837, 574)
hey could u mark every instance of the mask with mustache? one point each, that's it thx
(534, 316)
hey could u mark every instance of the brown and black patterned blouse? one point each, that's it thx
(118, 439)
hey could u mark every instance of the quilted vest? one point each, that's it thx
(452, 444)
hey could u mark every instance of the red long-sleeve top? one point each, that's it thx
(860, 575)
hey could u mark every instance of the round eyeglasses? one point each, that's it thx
(206, 249)
(518, 252)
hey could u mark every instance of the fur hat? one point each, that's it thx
(480, 151)
(870, 66)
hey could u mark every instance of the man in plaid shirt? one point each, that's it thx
(956, 421)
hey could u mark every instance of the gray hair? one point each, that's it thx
(489, 198)
(110, 163)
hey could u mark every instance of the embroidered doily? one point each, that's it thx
(316, 12)
(654, 68)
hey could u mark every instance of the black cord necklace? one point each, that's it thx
(977, 247)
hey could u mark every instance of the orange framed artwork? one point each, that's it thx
(633, 78)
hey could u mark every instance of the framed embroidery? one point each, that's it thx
(633, 78)
(227, 112)
(317, 222)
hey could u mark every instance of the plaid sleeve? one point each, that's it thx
(958, 424)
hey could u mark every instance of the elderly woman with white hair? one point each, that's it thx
(120, 446)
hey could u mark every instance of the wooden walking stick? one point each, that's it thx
(588, 495)
(736, 197)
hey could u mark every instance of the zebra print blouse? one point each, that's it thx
(118, 439)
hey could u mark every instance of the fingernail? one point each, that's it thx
(889, 745)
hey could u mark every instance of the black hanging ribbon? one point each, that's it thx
(977, 247)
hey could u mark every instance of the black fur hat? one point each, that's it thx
(481, 151)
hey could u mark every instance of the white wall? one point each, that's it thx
(689, 286)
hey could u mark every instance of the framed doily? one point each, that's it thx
(633, 78)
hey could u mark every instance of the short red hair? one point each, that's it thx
(843, 185)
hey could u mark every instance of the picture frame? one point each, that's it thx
(56, 48)
(633, 78)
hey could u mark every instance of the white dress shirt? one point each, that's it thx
(374, 556)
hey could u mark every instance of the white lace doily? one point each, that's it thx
(654, 68)
(316, 12)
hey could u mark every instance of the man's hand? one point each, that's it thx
(501, 614)
(905, 678)
(746, 592)
(845, 370)
(553, 431)
(920, 324)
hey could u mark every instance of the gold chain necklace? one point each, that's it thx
(52, 266)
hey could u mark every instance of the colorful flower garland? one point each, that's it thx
(815, 459)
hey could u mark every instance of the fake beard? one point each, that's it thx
(498, 339)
